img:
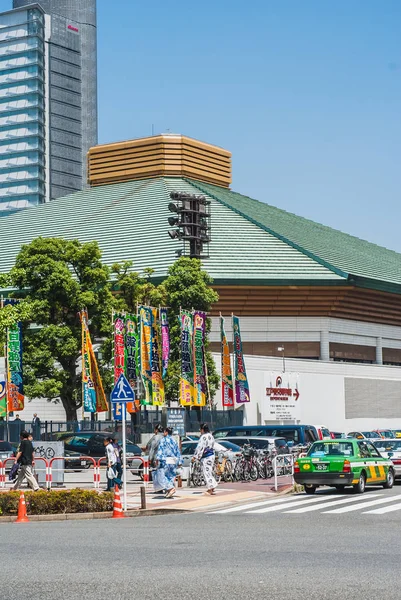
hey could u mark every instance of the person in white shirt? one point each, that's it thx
(205, 453)
(111, 463)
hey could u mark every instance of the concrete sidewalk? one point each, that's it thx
(196, 499)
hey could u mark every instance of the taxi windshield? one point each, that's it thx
(388, 445)
(340, 448)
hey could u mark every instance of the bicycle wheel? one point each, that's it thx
(238, 471)
(261, 469)
(246, 475)
(253, 471)
(228, 471)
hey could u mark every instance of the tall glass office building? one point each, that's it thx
(48, 99)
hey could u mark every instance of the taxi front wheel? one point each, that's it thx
(390, 480)
(310, 489)
(360, 486)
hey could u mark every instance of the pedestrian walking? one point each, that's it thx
(25, 458)
(36, 424)
(204, 451)
(118, 466)
(151, 450)
(169, 458)
(111, 464)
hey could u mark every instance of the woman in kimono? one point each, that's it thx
(169, 458)
(151, 451)
(205, 453)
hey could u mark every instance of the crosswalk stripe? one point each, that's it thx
(328, 504)
(382, 511)
(280, 507)
(362, 505)
(253, 505)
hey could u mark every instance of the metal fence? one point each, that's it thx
(140, 423)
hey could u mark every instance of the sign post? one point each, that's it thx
(121, 394)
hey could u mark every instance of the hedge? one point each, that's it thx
(57, 502)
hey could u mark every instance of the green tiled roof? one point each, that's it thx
(252, 242)
(340, 251)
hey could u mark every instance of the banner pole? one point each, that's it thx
(234, 363)
(124, 410)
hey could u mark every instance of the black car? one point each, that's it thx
(91, 443)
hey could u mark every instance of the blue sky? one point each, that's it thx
(306, 95)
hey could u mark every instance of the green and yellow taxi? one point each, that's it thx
(343, 462)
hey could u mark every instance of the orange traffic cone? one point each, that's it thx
(117, 506)
(22, 516)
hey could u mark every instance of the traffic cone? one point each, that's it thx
(117, 506)
(22, 516)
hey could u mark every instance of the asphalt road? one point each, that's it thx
(206, 556)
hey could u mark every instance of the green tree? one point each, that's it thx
(11, 314)
(186, 287)
(59, 278)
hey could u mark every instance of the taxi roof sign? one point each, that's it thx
(122, 391)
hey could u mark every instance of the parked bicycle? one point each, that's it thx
(246, 467)
(223, 468)
(196, 473)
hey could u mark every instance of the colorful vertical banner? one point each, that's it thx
(145, 353)
(157, 382)
(101, 400)
(88, 389)
(14, 387)
(187, 391)
(241, 381)
(131, 357)
(200, 383)
(94, 398)
(165, 335)
(119, 346)
(3, 401)
(227, 390)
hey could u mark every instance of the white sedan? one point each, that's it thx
(391, 449)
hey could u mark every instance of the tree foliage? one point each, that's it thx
(186, 287)
(59, 278)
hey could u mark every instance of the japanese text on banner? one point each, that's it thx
(157, 382)
(187, 369)
(226, 372)
(145, 316)
(241, 380)
(200, 384)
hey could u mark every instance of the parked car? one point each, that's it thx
(323, 433)
(188, 449)
(391, 449)
(364, 435)
(337, 435)
(90, 443)
(385, 433)
(279, 444)
(74, 462)
(7, 451)
(229, 445)
(298, 434)
(341, 463)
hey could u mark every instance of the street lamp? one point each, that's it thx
(281, 349)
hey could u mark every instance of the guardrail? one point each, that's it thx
(283, 466)
(96, 469)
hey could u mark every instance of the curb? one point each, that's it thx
(151, 512)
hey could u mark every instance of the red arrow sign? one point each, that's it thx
(296, 395)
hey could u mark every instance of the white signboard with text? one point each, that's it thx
(281, 397)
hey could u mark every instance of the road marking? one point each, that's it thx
(382, 511)
(297, 503)
(253, 505)
(328, 504)
(362, 505)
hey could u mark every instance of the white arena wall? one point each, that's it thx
(342, 396)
